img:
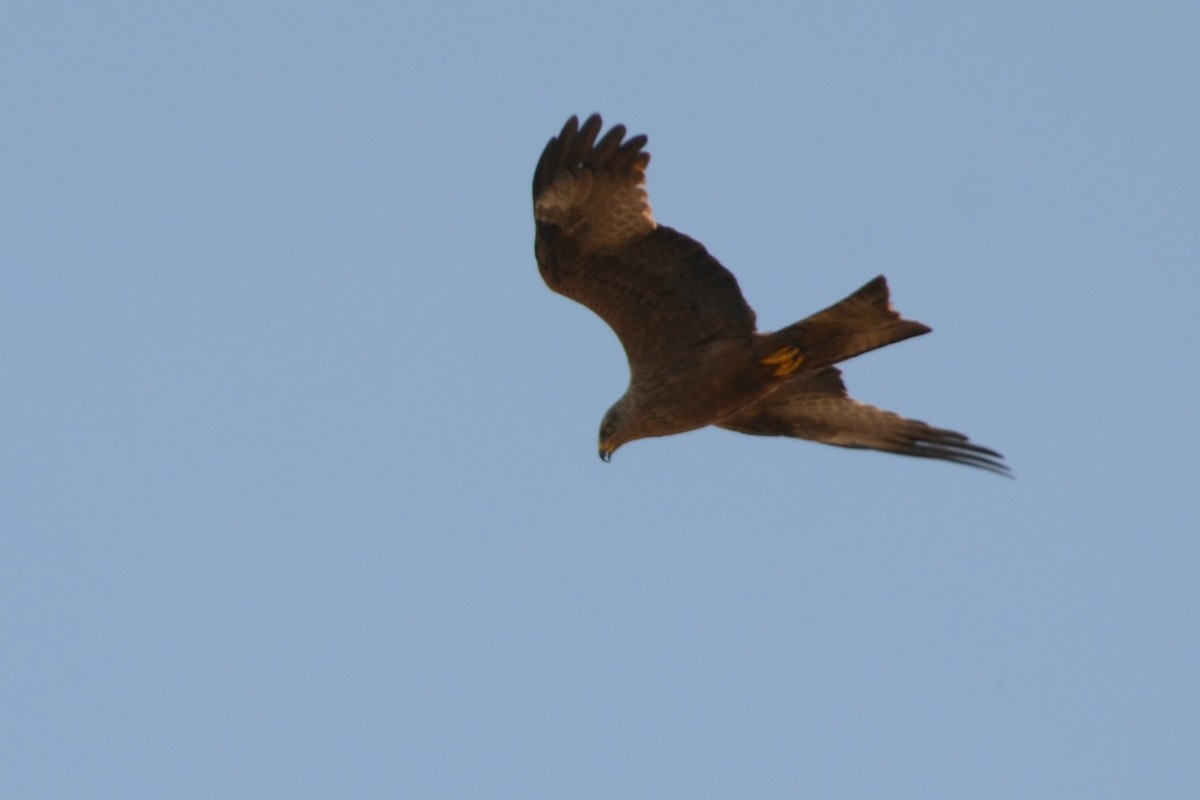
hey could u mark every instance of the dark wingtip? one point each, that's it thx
(576, 144)
(956, 448)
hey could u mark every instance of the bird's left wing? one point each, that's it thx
(593, 194)
(598, 244)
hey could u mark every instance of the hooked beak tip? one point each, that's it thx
(605, 455)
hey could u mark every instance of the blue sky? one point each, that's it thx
(300, 488)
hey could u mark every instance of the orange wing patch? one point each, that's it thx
(785, 360)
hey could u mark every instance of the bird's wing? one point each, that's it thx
(597, 243)
(593, 193)
(815, 406)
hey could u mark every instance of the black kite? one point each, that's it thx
(695, 358)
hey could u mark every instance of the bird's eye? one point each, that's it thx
(606, 431)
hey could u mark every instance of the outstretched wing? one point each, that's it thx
(597, 243)
(815, 406)
(593, 193)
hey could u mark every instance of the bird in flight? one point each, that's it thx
(695, 355)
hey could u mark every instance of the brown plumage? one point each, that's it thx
(695, 358)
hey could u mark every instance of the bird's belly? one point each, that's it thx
(705, 393)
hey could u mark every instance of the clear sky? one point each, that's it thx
(299, 494)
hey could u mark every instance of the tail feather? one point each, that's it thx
(862, 322)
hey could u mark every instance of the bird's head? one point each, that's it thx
(614, 429)
(631, 418)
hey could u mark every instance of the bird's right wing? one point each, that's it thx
(816, 406)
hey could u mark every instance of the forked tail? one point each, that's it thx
(862, 322)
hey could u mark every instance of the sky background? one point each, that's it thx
(299, 494)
